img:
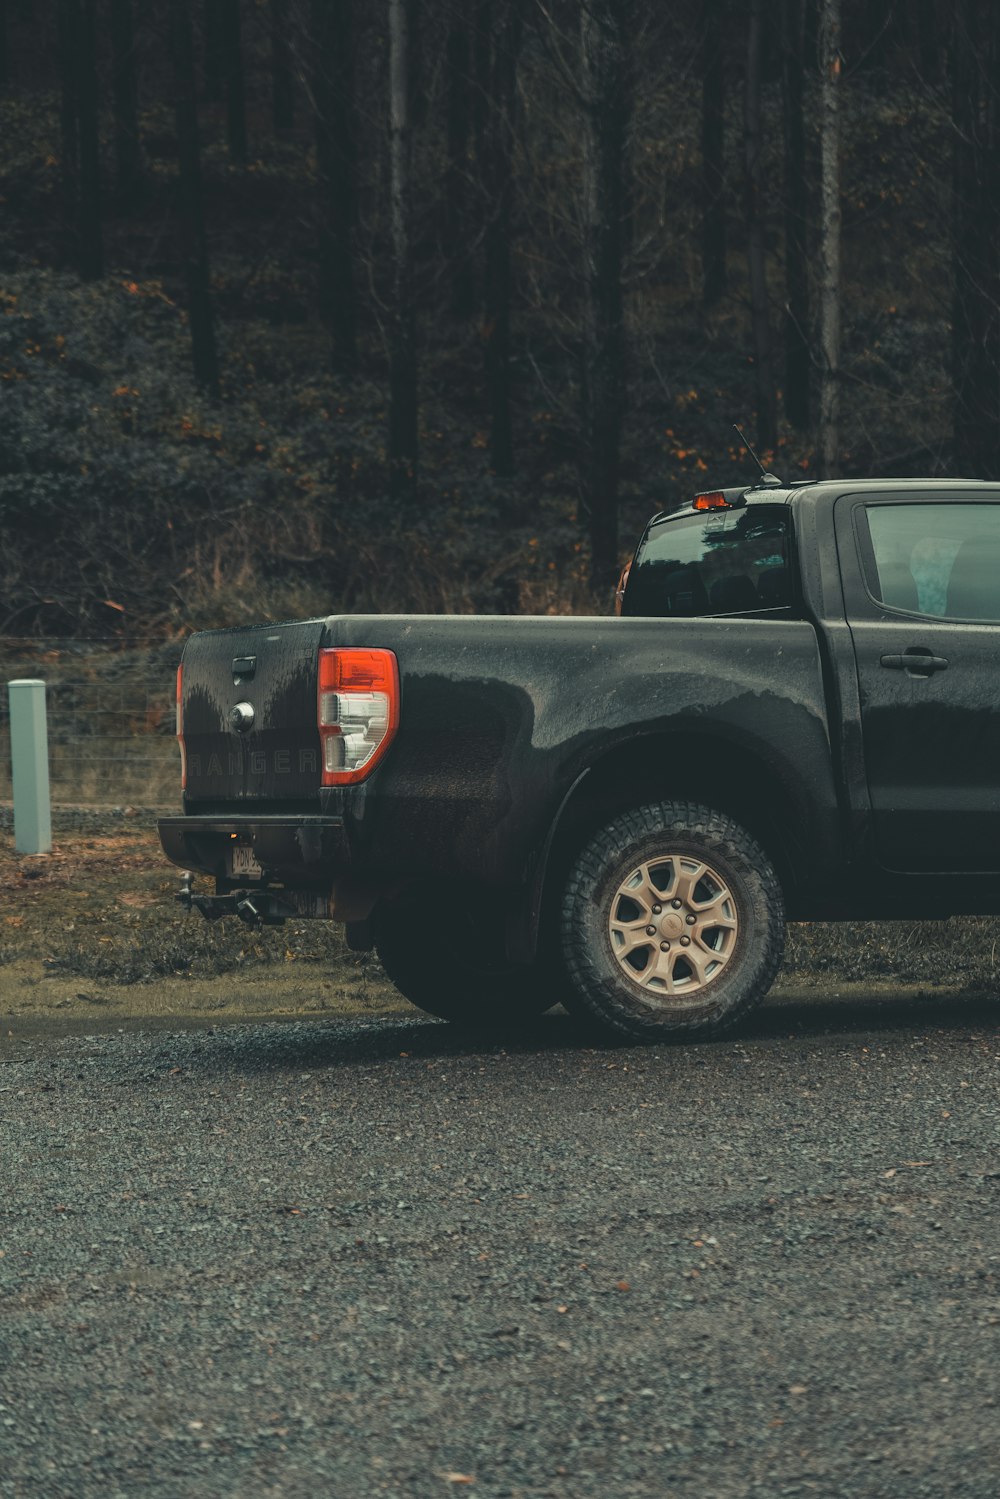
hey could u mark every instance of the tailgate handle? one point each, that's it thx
(243, 668)
(917, 663)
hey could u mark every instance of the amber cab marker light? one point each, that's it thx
(714, 499)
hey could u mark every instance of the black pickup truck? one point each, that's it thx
(796, 716)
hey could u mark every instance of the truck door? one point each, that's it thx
(921, 580)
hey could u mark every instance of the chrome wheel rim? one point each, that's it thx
(673, 927)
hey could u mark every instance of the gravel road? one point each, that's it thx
(362, 1257)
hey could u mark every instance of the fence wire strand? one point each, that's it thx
(110, 710)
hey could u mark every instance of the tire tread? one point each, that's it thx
(596, 994)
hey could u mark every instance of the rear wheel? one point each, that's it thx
(448, 959)
(673, 923)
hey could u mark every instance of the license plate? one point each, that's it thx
(243, 863)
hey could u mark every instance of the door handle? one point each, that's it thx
(916, 663)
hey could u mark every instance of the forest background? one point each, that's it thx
(427, 304)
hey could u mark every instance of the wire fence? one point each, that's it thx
(111, 726)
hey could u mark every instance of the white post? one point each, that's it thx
(29, 761)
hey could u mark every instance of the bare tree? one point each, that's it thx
(829, 237)
(215, 70)
(190, 201)
(497, 178)
(416, 11)
(797, 352)
(67, 23)
(125, 94)
(456, 214)
(713, 159)
(403, 445)
(5, 69)
(333, 98)
(606, 46)
(931, 41)
(976, 238)
(756, 248)
(282, 97)
(232, 63)
(90, 241)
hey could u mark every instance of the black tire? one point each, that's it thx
(629, 965)
(449, 961)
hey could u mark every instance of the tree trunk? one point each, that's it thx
(282, 99)
(931, 46)
(976, 242)
(125, 92)
(67, 22)
(402, 332)
(417, 85)
(498, 190)
(759, 306)
(5, 68)
(829, 239)
(458, 248)
(189, 199)
(90, 244)
(215, 71)
(482, 11)
(606, 44)
(713, 160)
(877, 27)
(232, 62)
(797, 361)
(333, 96)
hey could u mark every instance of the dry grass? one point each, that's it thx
(94, 925)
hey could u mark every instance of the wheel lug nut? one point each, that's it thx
(657, 910)
(690, 921)
(676, 904)
(664, 946)
(685, 942)
(651, 931)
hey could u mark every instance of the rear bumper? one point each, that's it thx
(300, 850)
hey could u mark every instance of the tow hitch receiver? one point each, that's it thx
(253, 907)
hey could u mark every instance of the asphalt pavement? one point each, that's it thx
(353, 1258)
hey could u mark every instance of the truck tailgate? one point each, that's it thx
(269, 750)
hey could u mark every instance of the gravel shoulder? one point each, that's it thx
(266, 1232)
(359, 1256)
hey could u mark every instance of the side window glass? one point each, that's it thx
(942, 561)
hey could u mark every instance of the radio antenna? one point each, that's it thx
(771, 480)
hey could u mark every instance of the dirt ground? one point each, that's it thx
(91, 939)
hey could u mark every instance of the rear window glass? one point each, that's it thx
(723, 562)
(938, 560)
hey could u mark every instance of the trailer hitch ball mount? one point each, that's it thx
(255, 908)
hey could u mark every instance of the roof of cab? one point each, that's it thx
(784, 494)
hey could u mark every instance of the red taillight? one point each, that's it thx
(357, 711)
(713, 500)
(180, 725)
